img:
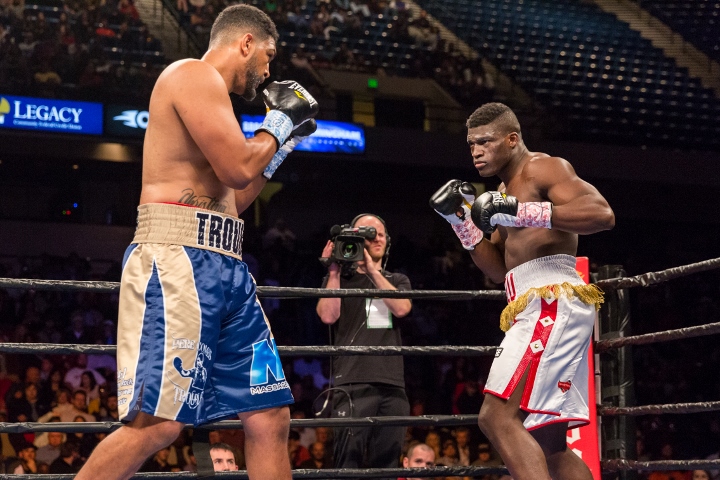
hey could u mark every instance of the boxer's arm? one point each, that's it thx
(245, 197)
(577, 205)
(201, 99)
(489, 256)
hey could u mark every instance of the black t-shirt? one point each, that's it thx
(351, 330)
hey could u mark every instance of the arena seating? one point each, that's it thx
(698, 21)
(600, 78)
(375, 40)
(111, 47)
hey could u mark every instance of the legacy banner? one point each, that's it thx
(64, 116)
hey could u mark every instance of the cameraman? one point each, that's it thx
(366, 386)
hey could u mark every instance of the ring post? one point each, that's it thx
(618, 382)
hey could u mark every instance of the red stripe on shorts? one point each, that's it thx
(541, 333)
(510, 287)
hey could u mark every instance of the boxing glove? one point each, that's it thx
(453, 202)
(288, 105)
(299, 133)
(494, 208)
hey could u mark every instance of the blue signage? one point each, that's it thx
(330, 137)
(63, 116)
(126, 121)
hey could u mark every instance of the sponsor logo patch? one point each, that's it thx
(266, 373)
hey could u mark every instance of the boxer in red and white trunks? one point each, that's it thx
(526, 234)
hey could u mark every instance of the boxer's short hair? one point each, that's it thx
(492, 113)
(238, 20)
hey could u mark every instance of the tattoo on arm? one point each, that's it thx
(203, 201)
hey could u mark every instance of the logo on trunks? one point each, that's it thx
(266, 359)
(498, 351)
(123, 382)
(564, 386)
(182, 343)
(224, 233)
(198, 373)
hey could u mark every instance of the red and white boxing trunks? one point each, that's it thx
(552, 312)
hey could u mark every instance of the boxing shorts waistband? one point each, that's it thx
(546, 277)
(188, 226)
(549, 270)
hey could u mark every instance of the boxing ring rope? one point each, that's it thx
(329, 350)
(613, 465)
(643, 280)
(332, 473)
(387, 421)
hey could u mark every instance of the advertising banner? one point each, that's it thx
(330, 137)
(63, 116)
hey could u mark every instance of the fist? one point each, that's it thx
(177, 362)
(453, 201)
(490, 204)
(292, 99)
(288, 105)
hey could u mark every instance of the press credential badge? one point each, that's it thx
(377, 314)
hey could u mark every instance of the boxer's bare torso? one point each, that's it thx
(577, 206)
(174, 167)
(195, 152)
(524, 244)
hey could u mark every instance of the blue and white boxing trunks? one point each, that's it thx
(194, 344)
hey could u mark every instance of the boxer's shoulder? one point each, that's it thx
(545, 169)
(190, 73)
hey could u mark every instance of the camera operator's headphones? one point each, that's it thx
(387, 235)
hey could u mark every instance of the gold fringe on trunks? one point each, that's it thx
(588, 294)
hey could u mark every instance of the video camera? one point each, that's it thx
(350, 242)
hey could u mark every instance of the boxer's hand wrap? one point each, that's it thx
(529, 214)
(278, 125)
(300, 133)
(453, 202)
(494, 208)
(288, 105)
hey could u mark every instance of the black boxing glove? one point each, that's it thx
(453, 202)
(489, 204)
(288, 105)
(494, 208)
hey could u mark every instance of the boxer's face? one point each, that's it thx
(256, 67)
(490, 148)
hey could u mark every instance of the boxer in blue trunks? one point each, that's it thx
(194, 345)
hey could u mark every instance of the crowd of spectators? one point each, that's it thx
(50, 387)
(83, 49)
(100, 49)
(336, 23)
